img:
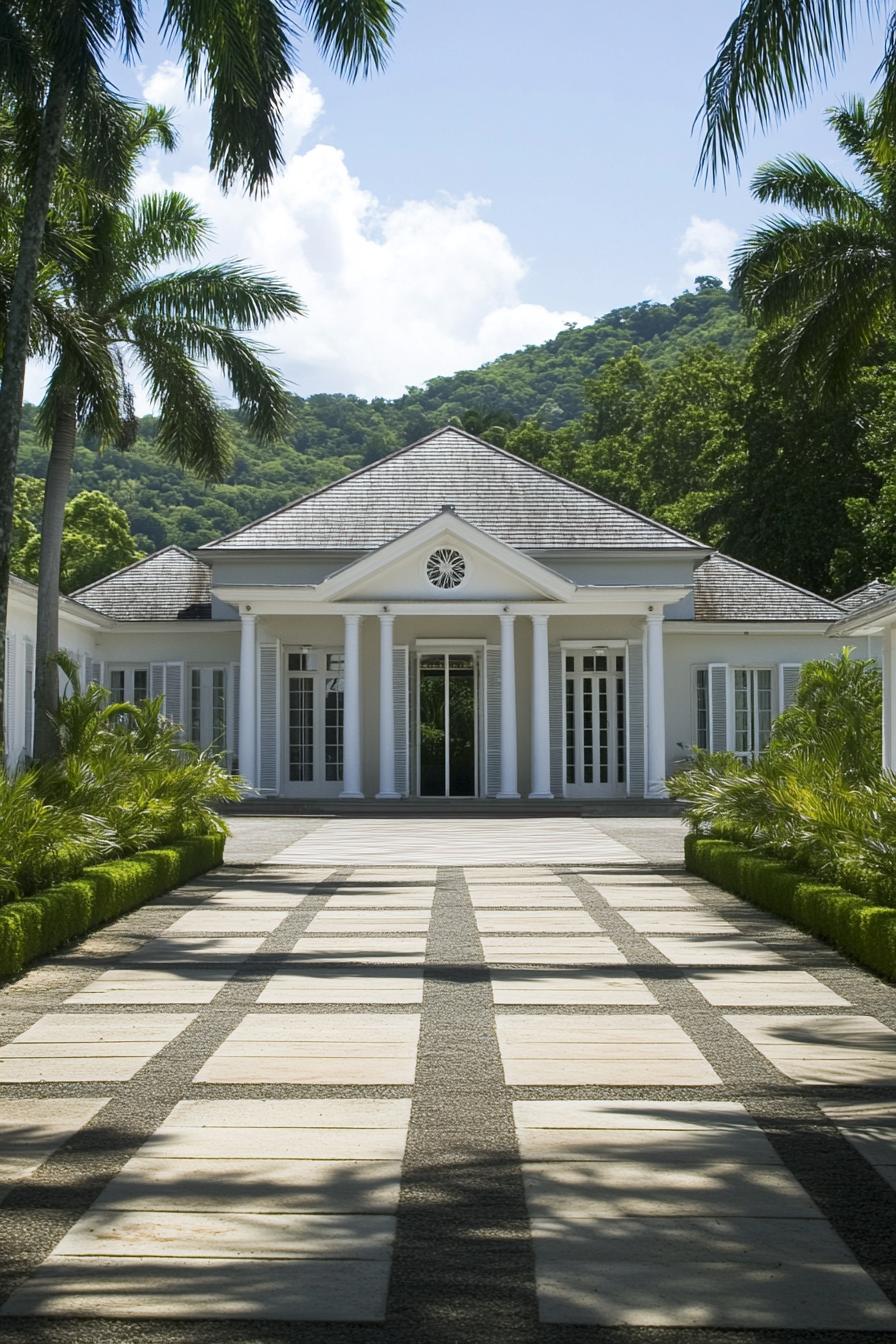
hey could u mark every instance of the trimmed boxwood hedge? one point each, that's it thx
(862, 930)
(38, 924)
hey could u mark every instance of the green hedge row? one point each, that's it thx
(38, 924)
(863, 931)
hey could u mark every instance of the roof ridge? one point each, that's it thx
(775, 578)
(135, 564)
(869, 583)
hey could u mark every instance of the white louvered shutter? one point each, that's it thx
(635, 726)
(174, 692)
(268, 718)
(400, 711)
(719, 712)
(788, 684)
(413, 785)
(555, 716)
(28, 744)
(157, 682)
(234, 716)
(493, 721)
(9, 698)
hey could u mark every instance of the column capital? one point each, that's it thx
(655, 617)
(539, 617)
(386, 617)
(248, 617)
(351, 617)
(507, 617)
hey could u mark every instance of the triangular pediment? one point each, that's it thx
(448, 559)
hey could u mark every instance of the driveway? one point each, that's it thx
(451, 1081)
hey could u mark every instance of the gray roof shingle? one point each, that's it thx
(728, 590)
(862, 597)
(170, 585)
(512, 500)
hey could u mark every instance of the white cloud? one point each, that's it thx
(706, 246)
(395, 293)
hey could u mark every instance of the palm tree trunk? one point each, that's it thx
(46, 673)
(18, 323)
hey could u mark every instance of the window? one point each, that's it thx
(333, 711)
(701, 707)
(129, 685)
(752, 710)
(116, 685)
(219, 710)
(141, 685)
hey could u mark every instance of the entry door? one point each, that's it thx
(314, 701)
(594, 724)
(448, 725)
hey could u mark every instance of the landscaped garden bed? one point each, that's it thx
(125, 812)
(807, 830)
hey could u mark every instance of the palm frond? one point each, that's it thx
(805, 184)
(774, 55)
(192, 431)
(226, 293)
(355, 38)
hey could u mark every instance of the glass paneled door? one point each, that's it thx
(448, 730)
(594, 722)
(314, 698)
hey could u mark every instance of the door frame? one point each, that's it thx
(613, 647)
(476, 648)
(318, 786)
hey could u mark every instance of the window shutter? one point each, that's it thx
(174, 692)
(788, 684)
(400, 711)
(719, 737)
(233, 726)
(412, 723)
(634, 732)
(493, 721)
(28, 744)
(9, 697)
(268, 718)
(157, 681)
(555, 717)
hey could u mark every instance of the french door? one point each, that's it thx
(448, 725)
(314, 711)
(594, 723)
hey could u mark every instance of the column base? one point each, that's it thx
(351, 795)
(505, 797)
(657, 790)
(546, 797)
(389, 797)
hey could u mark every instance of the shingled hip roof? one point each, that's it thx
(515, 502)
(170, 585)
(729, 590)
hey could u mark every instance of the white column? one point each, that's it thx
(351, 710)
(541, 722)
(508, 708)
(656, 707)
(889, 698)
(246, 747)
(387, 710)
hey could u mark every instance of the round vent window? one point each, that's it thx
(445, 568)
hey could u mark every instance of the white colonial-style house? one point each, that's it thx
(448, 622)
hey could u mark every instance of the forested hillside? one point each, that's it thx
(672, 409)
(334, 434)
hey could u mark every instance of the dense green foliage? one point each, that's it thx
(126, 782)
(857, 927)
(96, 536)
(817, 797)
(38, 924)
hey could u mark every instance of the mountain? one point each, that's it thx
(334, 434)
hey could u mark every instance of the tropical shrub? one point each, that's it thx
(126, 782)
(817, 797)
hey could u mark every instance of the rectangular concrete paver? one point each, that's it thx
(871, 1128)
(565, 1050)
(357, 1049)
(700, 950)
(740, 988)
(375, 951)
(546, 950)
(208, 920)
(345, 984)
(592, 986)
(818, 1050)
(80, 1048)
(370, 921)
(545, 921)
(31, 1130)
(678, 921)
(631, 896)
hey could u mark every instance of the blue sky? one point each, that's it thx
(516, 166)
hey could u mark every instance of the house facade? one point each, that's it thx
(449, 622)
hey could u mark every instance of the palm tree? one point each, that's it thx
(238, 52)
(826, 277)
(169, 325)
(774, 56)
